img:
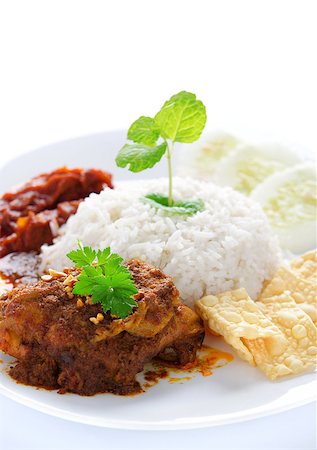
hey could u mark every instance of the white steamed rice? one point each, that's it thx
(227, 245)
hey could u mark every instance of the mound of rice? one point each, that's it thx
(227, 245)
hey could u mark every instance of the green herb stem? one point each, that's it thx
(182, 118)
(170, 174)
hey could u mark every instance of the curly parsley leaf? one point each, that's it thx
(182, 118)
(140, 156)
(144, 131)
(105, 279)
(83, 256)
(117, 300)
(181, 208)
(102, 256)
(87, 280)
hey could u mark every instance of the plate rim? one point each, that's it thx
(60, 142)
(176, 424)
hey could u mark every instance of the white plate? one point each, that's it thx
(236, 392)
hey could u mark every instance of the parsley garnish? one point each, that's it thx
(104, 278)
(181, 119)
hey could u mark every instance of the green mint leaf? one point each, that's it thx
(182, 118)
(144, 131)
(139, 156)
(181, 208)
(84, 256)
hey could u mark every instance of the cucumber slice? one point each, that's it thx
(249, 165)
(289, 199)
(201, 158)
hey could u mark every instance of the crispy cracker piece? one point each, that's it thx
(237, 318)
(274, 334)
(293, 282)
(306, 266)
(301, 335)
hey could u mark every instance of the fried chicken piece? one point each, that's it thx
(58, 346)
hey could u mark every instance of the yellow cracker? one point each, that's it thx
(239, 320)
(306, 266)
(292, 282)
(301, 335)
(274, 334)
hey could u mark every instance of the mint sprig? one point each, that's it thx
(140, 156)
(144, 131)
(182, 118)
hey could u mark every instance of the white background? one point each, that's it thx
(69, 68)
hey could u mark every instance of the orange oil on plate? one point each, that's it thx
(207, 360)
